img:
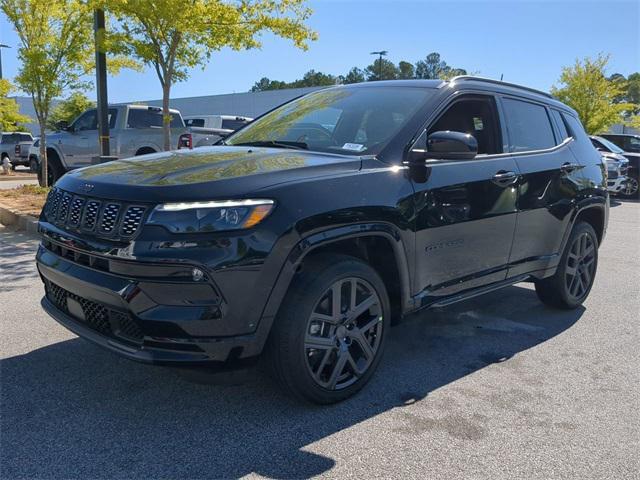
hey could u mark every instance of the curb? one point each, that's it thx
(16, 178)
(22, 221)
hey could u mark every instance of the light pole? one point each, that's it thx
(2, 45)
(381, 53)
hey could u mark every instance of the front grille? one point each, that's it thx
(612, 174)
(97, 316)
(114, 220)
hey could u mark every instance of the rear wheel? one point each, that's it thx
(572, 282)
(54, 172)
(329, 335)
(33, 165)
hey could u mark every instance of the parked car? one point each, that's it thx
(626, 141)
(34, 156)
(617, 167)
(303, 241)
(15, 147)
(603, 144)
(225, 122)
(133, 130)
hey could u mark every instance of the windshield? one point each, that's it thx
(352, 121)
(611, 146)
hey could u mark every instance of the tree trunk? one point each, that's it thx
(44, 165)
(166, 117)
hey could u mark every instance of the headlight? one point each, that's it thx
(214, 216)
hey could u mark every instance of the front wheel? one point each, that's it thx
(33, 165)
(572, 282)
(330, 332)
(630, 189)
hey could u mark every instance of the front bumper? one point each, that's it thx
(137, 318)
(615, 185)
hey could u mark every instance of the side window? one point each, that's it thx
(633, 144)
(236, 124)
(87, 121)
(575, 127)
(194, 122)
(150, 118)
(597, 145)
(528, 125)
(113, 114)
(562, 128)
(476, 116)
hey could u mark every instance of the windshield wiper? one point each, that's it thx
(274, 144)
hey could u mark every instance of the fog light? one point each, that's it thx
(197, 274)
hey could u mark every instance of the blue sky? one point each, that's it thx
(527, 42)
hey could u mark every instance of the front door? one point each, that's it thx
(465, 210)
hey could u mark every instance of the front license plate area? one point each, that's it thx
(75, 309)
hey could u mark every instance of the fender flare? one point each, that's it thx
(325, 237)
(60, 155)
(583, 205)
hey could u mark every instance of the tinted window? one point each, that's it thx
(145, 118)
(564, 133)
(477, 117)
(528, 125)
(194, 122)
(9, 138)
(233, 124)
(634, 144)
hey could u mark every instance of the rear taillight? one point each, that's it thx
(185, 141)
(17, 150)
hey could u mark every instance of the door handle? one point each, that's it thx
(504, 178)
(569, 167)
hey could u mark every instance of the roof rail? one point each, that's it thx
(498, 82)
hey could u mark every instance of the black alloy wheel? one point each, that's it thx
(329, 334)
(343, 333)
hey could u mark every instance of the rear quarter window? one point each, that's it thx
(528, 125)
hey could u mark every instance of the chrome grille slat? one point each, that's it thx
(104, 218)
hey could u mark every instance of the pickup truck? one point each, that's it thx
(133, 130)
(15, 147)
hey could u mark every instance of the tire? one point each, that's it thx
(33, 165)
(631, 188)
(315, 348)
(569, 287)
(54, 172)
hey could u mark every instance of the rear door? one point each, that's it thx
(550, 181)
(465, 210)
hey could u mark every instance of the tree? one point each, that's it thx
(355, 75)
(10, 116)
(55, 52)
(406, 70)
(173, 36)
(381, 71)
(265, 84)
(314, 79)
(433, 67)
(68, 109)
(585, 87)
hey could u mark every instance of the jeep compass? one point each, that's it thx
(303, 236)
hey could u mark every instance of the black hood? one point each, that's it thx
(202, 173)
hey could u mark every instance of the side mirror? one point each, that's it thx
(444, 145)
(449, 145)
(62, 125)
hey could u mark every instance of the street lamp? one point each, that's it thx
(2, 45)
(381, 53)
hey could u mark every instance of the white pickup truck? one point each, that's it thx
(225, 122)
(133, 130)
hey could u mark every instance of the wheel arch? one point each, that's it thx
(360, 241)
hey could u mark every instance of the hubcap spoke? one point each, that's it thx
(337, 369)
(320, 343)
(362, 307)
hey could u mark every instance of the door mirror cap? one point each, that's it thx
(450, 145)
(63, 125)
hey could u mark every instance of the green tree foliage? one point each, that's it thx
(406, 70)
(10, 116)
(585, 87)
(433, 67)
(68, 109)
(381, 69)
(310, 79)
(174, 36)
(355, 75)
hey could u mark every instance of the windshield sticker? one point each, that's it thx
(356, 147)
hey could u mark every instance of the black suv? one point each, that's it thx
(309, 231)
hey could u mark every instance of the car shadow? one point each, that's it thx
(71, 409)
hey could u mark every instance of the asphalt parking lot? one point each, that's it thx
(497, 387)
